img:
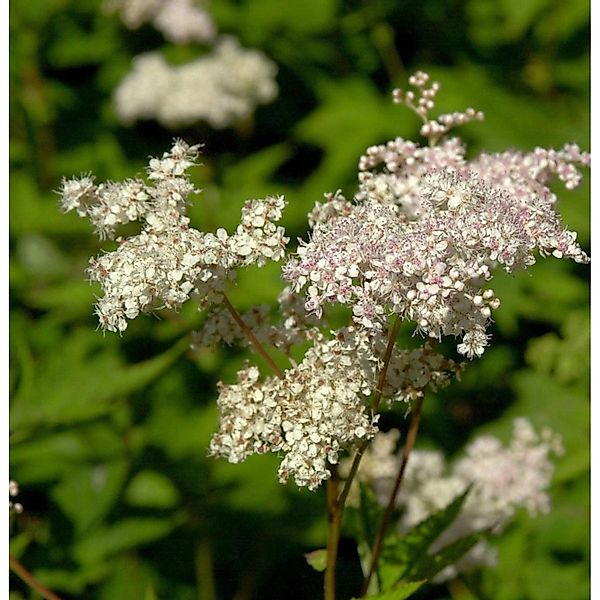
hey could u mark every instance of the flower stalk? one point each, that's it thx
(335, 503)
(19, 569)
(385, 521)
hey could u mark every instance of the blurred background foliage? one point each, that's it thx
(108, 435)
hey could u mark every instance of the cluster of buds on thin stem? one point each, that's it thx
(423, 102)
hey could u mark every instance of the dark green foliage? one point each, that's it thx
(109, 434)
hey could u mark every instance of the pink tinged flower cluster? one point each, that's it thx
(317, 409)
(168, 260)
(504, 479)
(429, 263)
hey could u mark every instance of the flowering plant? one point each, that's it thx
(419, 242)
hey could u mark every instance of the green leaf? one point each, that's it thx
(128, 533)
(86, 493)
(151, 489)
(72, 581)
(317, 559)
(431, 565)
(96, 380)
(129, 578)
(399, 592)
(403, 555)
(272, 17)
(371, 514)
(50, 456)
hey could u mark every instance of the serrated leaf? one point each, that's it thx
(401, 555)
(96, 379)
(431, 565)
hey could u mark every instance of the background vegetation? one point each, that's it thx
(108, 435)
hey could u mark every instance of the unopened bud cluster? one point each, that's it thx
(424, 103)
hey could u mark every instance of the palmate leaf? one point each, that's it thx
(98, 377)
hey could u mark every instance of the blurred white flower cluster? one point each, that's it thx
(220, 88)
(502, 480)
(428, 227)
(180, 21)
(168, 260)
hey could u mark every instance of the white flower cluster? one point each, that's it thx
(314, 411)
(503, 479)
(219, 88)
(411, 372)
(320, 406)
(180, 21)
(424, 234)
(406, 163)
(168, 260)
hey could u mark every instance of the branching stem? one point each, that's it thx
(251, 337)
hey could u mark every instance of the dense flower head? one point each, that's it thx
(168, 260)
(428, 227)
(317, 409)
(220, 88)
(327, 393)
(502, 479)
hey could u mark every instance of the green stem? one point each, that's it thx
(408, 446)
(30, 580)
(204, 570)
